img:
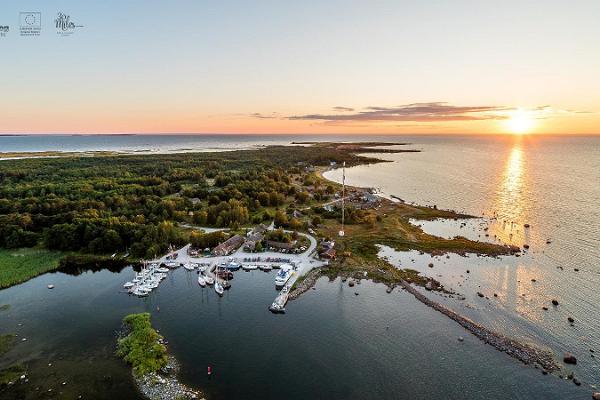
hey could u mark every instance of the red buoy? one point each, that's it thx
(209, 370)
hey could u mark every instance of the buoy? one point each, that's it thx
(209, 371)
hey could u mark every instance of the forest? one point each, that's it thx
(135, 203)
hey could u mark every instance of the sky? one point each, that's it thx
(456, 67)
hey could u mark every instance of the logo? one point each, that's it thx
(4, 30)
(30, 23)
(64, 25)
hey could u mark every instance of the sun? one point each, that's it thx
(520, 122)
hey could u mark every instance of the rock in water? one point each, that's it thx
(596, 396)
(555, 302)
(569, 359)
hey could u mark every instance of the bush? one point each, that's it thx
(141, 347)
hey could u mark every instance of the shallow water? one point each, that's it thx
(331, 343)
(550, 183)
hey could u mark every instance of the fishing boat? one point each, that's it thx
(201, 280)
(224, 273)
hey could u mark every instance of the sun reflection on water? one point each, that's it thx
(510, 200)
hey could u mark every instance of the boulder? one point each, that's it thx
(569, 358)
(596, 396)
(554, 302)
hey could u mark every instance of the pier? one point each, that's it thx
(302, 264)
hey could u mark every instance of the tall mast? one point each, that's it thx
(343, 195)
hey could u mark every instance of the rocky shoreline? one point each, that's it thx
(522, 352)
(164, 385)
(308, 282)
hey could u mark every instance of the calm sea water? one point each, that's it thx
(336, 345)
(552, 184)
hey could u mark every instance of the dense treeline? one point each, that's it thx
(112, 203)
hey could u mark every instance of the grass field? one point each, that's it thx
(357, 250)
(19, 265)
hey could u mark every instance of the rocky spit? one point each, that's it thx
(164, 385)
(307, 283)
(523, 352)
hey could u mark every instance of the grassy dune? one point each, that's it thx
(20, 265)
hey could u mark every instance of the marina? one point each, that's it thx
(218, 270)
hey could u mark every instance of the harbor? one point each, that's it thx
(217, 267)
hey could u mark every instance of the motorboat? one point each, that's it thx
(249, 267)
(233, 266)
(201, 281)
(265, 267)
(128, 285)
(209, 280)
(284, 275)
(202, 267)
(162, 270)
(188, 266)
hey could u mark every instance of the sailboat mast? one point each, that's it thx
(343, 196)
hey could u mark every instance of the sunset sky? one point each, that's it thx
(303, 67)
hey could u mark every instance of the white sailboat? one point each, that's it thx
(219, 288)
(201, 280)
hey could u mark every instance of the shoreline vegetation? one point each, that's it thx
(154, 370)
(20, 265)
(135, 206)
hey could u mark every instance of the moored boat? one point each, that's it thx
(284, 275)
(219, 288)
(201, 280)
(188, 266)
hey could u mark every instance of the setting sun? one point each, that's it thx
(520, 122)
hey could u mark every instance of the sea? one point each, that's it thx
(332, 343)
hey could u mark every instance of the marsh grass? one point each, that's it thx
(20, 265)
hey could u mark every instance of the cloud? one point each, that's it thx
(415, 112)
(339, 108)
(265, 116)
